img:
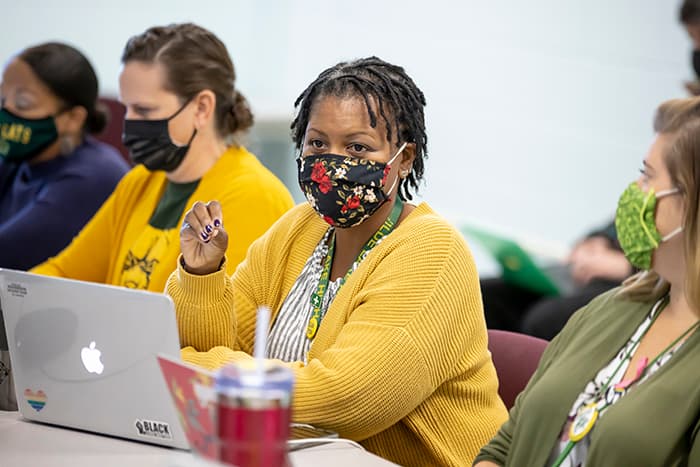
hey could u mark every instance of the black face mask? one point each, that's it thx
(149, 143)
(696, 62)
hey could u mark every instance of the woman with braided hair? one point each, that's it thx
(375, 301)
(183, 113)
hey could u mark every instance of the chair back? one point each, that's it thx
(515, 357)
(112, 134)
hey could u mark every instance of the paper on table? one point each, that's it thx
(194, 396)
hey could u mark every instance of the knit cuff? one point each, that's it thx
(198, 289)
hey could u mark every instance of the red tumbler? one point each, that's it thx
(253, 415)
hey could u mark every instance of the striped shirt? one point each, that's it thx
(288, 341)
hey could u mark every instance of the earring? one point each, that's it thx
(66, 145)
(404, 173)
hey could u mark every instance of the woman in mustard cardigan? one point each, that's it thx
(375, 301)
(182, 115)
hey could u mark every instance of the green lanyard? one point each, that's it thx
(590, 412)
(322, 287)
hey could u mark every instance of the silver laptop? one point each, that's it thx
(84, 356)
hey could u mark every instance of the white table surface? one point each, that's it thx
(24, 443)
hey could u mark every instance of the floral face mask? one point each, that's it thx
(345, 190)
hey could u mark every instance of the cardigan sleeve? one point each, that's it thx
(498, 448)
(204, 309)
(216, 312)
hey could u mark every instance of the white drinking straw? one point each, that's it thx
(261, 327)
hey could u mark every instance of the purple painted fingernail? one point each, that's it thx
(217, 223)
(208, 228)
(204, 236)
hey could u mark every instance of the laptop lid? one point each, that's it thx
(3, 334)
(519, 268)
(84, 356)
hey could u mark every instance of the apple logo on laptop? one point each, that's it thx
(91, 359)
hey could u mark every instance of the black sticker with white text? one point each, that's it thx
(153, 429)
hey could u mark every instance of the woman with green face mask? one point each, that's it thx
(53, 176)
(619, 384)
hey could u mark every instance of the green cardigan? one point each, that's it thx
(655, 424)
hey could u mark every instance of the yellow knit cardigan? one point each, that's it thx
(400, 362)
(252, 199)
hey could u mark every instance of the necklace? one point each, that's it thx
(322, 287)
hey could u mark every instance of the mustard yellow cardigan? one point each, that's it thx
(252, 199)
(400, 362)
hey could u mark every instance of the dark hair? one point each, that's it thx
(399, 102)
(194, 60)
(690, 12)
(70, 77)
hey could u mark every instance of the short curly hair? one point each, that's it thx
(398, 100)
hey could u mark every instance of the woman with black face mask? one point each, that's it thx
(375, 301)
(183, 113)
(53, 176)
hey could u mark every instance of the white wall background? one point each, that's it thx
(539, 112)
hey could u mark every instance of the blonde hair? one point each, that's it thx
(679, 118)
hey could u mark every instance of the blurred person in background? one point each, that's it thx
(183, 116)
(53, 175)
(596, 265)
(689, 16)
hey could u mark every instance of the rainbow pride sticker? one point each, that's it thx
(36, 399)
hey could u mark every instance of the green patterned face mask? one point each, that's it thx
(636, 225)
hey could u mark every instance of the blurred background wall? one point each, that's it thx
(539, 112)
